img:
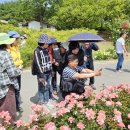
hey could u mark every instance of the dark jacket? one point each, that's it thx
(41, 61)
(88, 52)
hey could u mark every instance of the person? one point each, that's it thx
(55, 58)
(74, 48)
(42, 67)
(13, 49)
(23, 40)
(73, 71)
(88, 57)
(8, 80)
(63, 49)
(121, 51)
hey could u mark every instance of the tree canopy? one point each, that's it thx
(68, 14)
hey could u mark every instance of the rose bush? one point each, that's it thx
(107, 110)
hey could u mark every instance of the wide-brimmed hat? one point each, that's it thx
(5, 39)
(44, 38)
(13, 34)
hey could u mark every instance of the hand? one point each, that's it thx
(126, 53)
(43, 81)
(98, 72)
(56, 63)
(85, 58)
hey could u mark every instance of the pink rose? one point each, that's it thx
(129, 127)
(50, 126)
(71, 119)
(64, 128)
(129, 115)
(121, 125)
(19, 123)
(81, 126)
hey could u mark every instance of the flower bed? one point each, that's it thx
(107, 110)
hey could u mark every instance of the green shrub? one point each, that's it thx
(105, 54)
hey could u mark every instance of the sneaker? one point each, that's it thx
(55, 93)
(118, 71)
(49, 105)
(93, 86)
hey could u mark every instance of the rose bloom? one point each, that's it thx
(80, 104)
(92, 102)
(50, 126)
(19, 123)
(121, 125)
(64, 128)
(81, 126)
(71, 119)
(118, 103)
(129, 127)
(129, 115)
(33, 117)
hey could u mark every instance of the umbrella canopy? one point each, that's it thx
(88, 37)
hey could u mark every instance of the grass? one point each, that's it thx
(105, 45)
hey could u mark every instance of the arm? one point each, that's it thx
(87, 71)
(37, 61)
(84, 75)
(124, 48)
(94, 46)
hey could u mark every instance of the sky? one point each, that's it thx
(1, 1)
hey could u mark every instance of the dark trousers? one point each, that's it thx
(90, 65)
(17, 93)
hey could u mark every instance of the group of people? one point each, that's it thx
(73, 62)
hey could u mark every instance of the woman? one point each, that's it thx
(15, 53)
(8, 74)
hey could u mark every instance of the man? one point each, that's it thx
(121, 50)
(73, 71)
(88, 58)
(42, 67)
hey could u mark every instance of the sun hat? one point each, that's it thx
(53, 40)
(13, 34)
(64, 45)
(5, 39)
(44, 38)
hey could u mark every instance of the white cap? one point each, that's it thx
(64, 45)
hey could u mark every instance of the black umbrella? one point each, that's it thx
(88, 37)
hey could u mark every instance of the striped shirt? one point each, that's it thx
(8, 73)
(69, 72)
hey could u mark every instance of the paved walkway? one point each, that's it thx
(109, 77)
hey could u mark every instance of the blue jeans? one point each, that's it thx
(44, 90)
(120, 61)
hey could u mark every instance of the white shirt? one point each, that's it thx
(119, 43)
